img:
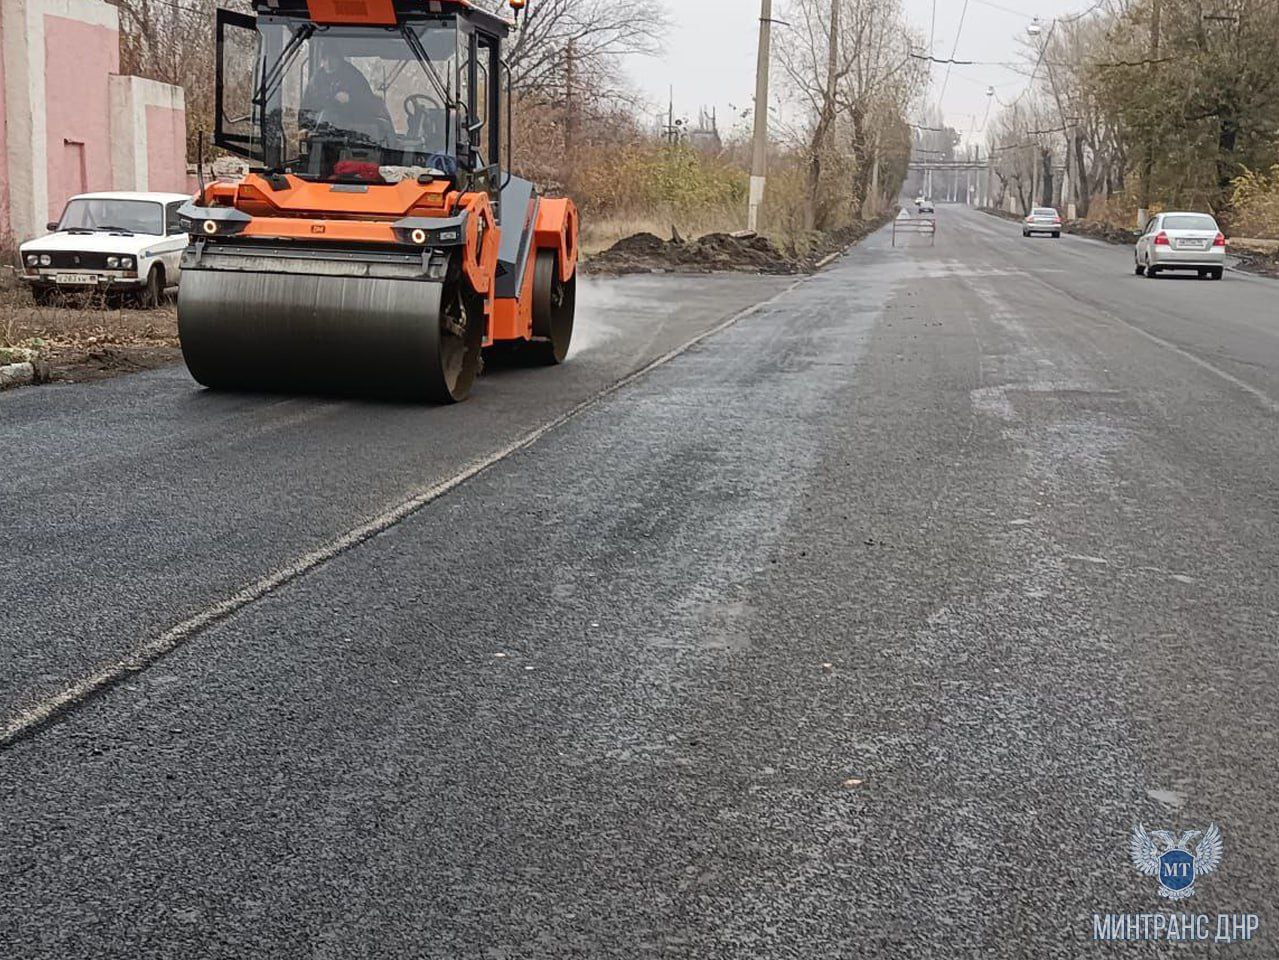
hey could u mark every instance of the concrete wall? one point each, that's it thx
(148, 135)
(4, 150)
(68, 122)
(76, 114)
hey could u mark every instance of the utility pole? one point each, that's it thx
(990, 176)
(759, 149)
(1148, 163)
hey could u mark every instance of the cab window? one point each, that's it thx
(171, 224)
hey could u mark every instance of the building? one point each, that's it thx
(69, 122)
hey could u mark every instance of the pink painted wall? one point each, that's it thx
(4, 144)
(76, 110)
(166, 149)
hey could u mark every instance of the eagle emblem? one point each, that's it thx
(1161, 854)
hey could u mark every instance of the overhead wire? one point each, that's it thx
(953, 50)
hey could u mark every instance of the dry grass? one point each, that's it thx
(86, 338)
(600, 233)
(1255, 200)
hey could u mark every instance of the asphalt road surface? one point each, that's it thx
(867, 625)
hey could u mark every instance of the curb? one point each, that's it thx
(17, 375)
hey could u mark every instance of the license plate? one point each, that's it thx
(79, 279)
(1193, 245)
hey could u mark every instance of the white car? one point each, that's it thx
(117, 242)
(1042, 220)
(1181, 241)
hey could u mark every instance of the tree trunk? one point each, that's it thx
(813, 216)
(1083, 182)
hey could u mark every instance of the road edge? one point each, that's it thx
(30, 721)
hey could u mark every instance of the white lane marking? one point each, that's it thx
(1260, 395)
(1264, 398)
(146, 653)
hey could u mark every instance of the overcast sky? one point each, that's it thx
(710, 54)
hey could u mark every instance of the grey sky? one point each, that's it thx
(710, 53)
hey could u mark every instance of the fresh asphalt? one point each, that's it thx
(867, 626)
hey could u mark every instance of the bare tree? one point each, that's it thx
(849, 74)
(600, 32)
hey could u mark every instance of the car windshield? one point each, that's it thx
(344, 103)
(1045, 212)
(106, 213)
(1189, 221)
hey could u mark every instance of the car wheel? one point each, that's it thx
(1218, 273)
(1137, 268)
(1056, 234)
(45, 296)
(1025, 233)
(149, 296)
(1150, 271)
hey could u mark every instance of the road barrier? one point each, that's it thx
(924, 226)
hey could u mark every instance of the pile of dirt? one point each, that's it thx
(647, 253)
(1266, 265)
(742, 252)
(87, 340)
(1100, 231)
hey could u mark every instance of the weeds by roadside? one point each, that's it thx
(84, 337)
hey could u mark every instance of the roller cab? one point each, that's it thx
(378, 243)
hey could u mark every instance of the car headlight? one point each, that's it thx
(32, 259)
(126, 262)
(45, 260)
(113, 262)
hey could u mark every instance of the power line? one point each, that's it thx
(958, 30)
(1043, 48)
(932, 59)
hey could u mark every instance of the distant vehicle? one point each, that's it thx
(1181, 241)
(115, 242)
(1042, 220)
(925, 206)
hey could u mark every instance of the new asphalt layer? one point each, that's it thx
(868, 625)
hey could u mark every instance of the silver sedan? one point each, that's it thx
(1181, 241)
(1042, 220)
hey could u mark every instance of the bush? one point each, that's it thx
(1255, 202)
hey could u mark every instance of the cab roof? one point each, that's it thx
(382, 12)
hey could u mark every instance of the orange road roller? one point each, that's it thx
(378, 242)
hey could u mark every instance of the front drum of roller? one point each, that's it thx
(327, 334)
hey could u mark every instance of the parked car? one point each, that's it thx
(1181, 241)
(925, 206)
(1042, 220)
(114, 242)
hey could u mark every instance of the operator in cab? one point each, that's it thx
(340, 95)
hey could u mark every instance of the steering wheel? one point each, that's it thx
(424, 118)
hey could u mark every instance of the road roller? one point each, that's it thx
(378, 242)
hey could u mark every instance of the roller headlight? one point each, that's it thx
(113, 262)
(418, 236)
(209, 227)
(45, 260)
(32, 259)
